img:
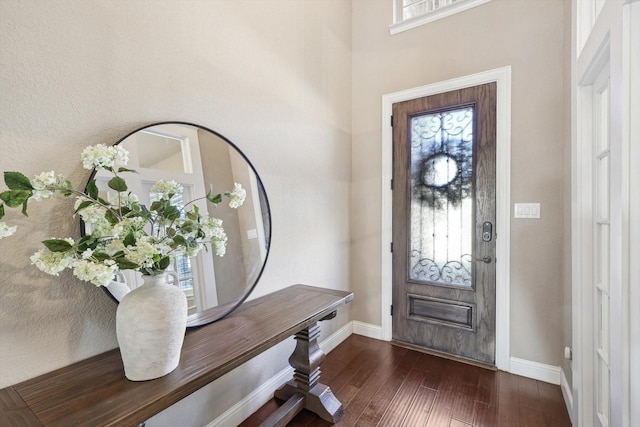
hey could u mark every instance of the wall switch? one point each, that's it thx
(526, 210)
(252, 234)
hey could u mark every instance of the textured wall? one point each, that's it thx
(528, 36)
(272, 76)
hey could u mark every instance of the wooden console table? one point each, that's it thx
(95, 392)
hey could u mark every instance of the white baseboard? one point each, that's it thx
(247, 406)
(566, 393)
(535, 370)
(367, 330)
(526, 368)
(336, 338)
(254, 401)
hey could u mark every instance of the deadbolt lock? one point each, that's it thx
(487, 231)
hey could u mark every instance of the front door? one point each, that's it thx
(444, 222)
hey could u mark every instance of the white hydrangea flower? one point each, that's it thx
(52, 262)
(126, 200)
(128, 225)
(214, 233)
(102, 156)
(193, 251)
(93, 217)
(97, 273)
(42, 185)
(237, 196)
(220, 246)
(5, 230)
(143, 252)
(87, 254)
(164, 188)
(114, 246)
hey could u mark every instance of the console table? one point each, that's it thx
(95, 392)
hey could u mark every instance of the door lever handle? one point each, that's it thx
(486, 259)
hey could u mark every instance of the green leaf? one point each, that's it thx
(86, 242)
(129, 240)
(83, 205)
(125, 264)
(163, 263)
(17, 181)
(156, 206)
(171, 213)
(214, 199)
(14, 198)
(100, 256)
(92, 189)
(171, 232)
(127, 170)
(24, 207)
(1, 211)
(57, 245)
(179, 240)
(118, 184)
(109, 216)
(188, 226)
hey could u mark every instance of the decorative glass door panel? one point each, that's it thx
(441, 207)
(443, 221)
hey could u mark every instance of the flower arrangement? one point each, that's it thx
(122, 234)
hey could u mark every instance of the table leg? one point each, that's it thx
(306, 359)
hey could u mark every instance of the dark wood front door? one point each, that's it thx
(444, 222)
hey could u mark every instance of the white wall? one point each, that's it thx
(528, 36)
(272, 76)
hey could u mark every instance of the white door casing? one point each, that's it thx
(604, 85)
(502, 77)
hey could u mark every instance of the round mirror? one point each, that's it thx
(202, 161)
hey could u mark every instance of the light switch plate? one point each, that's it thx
(526, 210)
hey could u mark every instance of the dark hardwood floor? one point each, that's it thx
(380, 384)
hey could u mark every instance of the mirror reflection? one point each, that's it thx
(200, 160)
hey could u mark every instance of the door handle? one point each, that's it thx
(486, 259)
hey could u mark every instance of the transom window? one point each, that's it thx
(409, 14)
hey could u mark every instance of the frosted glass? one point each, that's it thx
(441, 213)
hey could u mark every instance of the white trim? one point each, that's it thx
(502, 77)
(566, 393)
(254, 401)
(367, 330)
(400, 25)
(336, 338)
(535, 370)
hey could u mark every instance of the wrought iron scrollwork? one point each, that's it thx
(457, 272)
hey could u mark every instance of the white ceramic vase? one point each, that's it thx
(150, 325)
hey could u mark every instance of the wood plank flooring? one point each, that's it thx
(380, 384)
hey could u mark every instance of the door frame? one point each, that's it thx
(502, 78)
(602, 39)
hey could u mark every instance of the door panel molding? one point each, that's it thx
(502, 77)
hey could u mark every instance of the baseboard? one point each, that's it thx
(336, 338)
(566, 393)
(535, 370)
(526, 368)
(367, 330)
(254, 401)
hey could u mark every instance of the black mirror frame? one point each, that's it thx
(212, 314)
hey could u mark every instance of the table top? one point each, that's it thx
(95, 391)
